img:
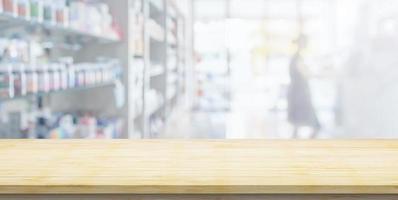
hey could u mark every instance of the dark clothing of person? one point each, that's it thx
(301, 111)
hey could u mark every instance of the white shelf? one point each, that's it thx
(155, 31)
(8, 21)
(171, 94)
(156, 70)
(171, 38)
(157, 3)
(154, 102)
(162, 70)
(153, 110)
(82, 88)
(172, 78)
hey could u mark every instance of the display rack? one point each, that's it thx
(155, 46)
(137, 49)
(182, 51)
(162, 60)
(70, 90)
(150, 48)
(55, 34)
(172, 58)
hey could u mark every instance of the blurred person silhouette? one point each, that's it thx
(301, 111)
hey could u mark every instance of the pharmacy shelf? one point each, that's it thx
(157, 71)
(155, 110)
(40, 94)
(155, 44)
(172, 94)
(162, 46)
(173, 48)
(172, 78)
(56, 42)
(158, 4)
(155, 30)
(55, 32)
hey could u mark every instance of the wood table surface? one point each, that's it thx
(198, 167)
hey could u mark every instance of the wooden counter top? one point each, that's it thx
(198, 167)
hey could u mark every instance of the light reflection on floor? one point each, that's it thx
(253, 115)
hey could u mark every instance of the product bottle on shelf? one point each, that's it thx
(1, 6)
(51, 80)
(41, 128)
(98, 75)
(23, 9)
(4, 85)
(87, 126)
(88, 74)
(106, 19)
(43, 117)
(56, 76)
(43, 77)
(36, 10)
(104, 74)
(11, 81)
(61, 13)
(10, 7)
(6, 82)
(67, 73)
(81, 76)
(48, 11)
(17, 80)
(76, 13)
(71, 76)
(92, 69)
(63, 77)
(22, 75)
(31, 80)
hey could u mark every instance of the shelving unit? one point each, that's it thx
(181, 58)
(63, 40)
(137, 51)
(54, 32)
(172, 35)
(155, 88)
(70, 90)
(149, 47)
(161, 58)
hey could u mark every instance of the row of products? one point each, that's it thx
(155, 30)
(154, 101)
(172, 31)
(43, 124)
(137, 29)
(138, 86)
(80, 15)
(156, 126)
(171, 92)
(20, 79)
(86, 126)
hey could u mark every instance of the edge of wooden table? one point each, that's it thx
(330, 167)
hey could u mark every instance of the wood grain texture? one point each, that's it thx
(199, 197)
(198, 167)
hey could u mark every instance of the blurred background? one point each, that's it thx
(219, 69)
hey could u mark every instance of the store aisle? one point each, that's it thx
(257, 114)
(250, 116)
(196, 125)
